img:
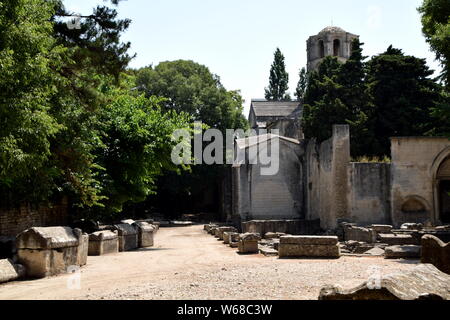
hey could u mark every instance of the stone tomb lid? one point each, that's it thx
(125, 229)
(103, 235)
(144, 226)
(47, 238)
(309, 240)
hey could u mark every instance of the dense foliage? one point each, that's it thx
(191, 88)
(70, 122)
(436, 28)
(391, 95)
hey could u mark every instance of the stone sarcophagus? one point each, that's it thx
(221, 230)
(50, 251)
(103, 242)
(229, 237)
(309, 246)
(248, 243)
(128, 237)
(146, 233)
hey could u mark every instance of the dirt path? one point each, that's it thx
(186, 263)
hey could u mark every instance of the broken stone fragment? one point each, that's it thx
(382, 228)
(10, 271)
(249, 237)
(397, 239)
(436, 252)
(377, 251)
(423, 282)
(412, 226)
(403, 252)
(359, 234)
(273, 235)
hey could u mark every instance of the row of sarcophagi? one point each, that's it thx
(53, 250)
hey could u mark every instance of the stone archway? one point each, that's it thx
(443, 191)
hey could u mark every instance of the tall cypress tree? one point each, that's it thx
(301, 85)
(279, 79)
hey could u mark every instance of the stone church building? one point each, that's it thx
(319, 180)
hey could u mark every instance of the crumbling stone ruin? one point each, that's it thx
(436, 252)
(103, 242)
(424, 282)
(50, 251)
(309, 246)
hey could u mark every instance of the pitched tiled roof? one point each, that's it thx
(264, 108)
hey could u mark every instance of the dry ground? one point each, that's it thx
(186, 263)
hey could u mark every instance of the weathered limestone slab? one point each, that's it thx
(403, 252)
(397, 239)
(309, 240)
(283, 226)
(382, 228)
(103, 242)
(128, 237)
(286, 250)
(10, 271)
(412, 226)
(268, 251)
(436, 252)
(359, 234)
(145, 234)
(309, 246)
(248, 243)
(221, 230)
(50, 251)
(421, 283)
(274, 235)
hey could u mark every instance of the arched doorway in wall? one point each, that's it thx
(336, 47)
(443, 189)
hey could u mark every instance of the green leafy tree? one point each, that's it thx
(436, 28)
(190, 87)
(137, 147)
(278, 80)
(30, 60)
(301, 85)
(403, 95)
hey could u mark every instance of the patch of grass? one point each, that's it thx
(366, 159)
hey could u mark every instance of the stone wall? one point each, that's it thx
(279, 196)
(17, 219)
(369, 187)
(327, 178)
(415, 162)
